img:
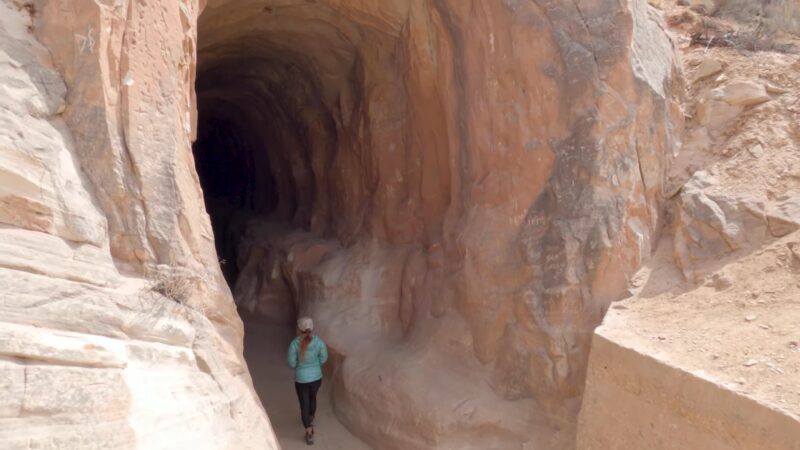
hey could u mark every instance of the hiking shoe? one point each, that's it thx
(309, 439)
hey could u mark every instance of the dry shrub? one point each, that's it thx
(709, 32)
(752, 41)
(169, 292)
(175, 286)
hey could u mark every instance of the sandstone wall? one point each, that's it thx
(98, 192)
(702, 353)
(659, 405)
(463, 187)
(479, 180)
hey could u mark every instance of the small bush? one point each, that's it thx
(176, 287)
(751, 41)
(709, 33)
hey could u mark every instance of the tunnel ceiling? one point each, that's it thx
(355, 146)
(289, 78)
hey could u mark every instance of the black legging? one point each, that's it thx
(307, 394)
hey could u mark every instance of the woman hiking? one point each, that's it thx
(307, 354)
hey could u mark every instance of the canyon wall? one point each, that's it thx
(455, 190)
(98, 195)
(461, 189)
(704, 352)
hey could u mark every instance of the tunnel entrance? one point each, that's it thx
(283, 138)
(269, 125)
(270, 95)
(263, 145)
(226, 165)
(263, 154)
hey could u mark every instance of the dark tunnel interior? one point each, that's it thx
(236, 185)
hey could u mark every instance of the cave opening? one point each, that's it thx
(276, 99)
(264, 154)
(284, 143)
(234, 185)
(263, 144)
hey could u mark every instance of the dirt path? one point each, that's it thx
(265, 351)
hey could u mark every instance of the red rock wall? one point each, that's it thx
(485, 176)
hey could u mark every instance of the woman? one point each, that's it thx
(307, 354)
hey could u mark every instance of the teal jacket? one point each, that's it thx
(310, 368)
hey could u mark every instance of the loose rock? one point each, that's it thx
(708, 67)
(757, 151)
(741, 93)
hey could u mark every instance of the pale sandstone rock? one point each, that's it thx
(461, 190)
(710, 225)
(708, 67)
(756, 150)
(479, 180)
(720, 106)
(716, 114)
(651, 390)
(784, 217)
(88, 360)
(697, 356)
(773, 89)
(741, 93)
(40, 183)
(60, 347)
(713, 362)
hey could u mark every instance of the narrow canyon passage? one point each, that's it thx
(232, 160)
(264, 153)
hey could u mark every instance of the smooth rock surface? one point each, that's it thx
(649, 390)
(784, 217)
(97, 194)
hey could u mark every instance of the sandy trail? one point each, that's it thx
(265, 351)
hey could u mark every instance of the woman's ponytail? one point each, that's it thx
(304, 342)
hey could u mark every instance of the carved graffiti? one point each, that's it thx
(86, 42)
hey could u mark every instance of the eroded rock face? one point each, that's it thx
(461, 188)
(97, 193)
(454, 189)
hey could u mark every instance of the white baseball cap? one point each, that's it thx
(305, 324)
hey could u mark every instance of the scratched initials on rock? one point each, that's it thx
(86, 43)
